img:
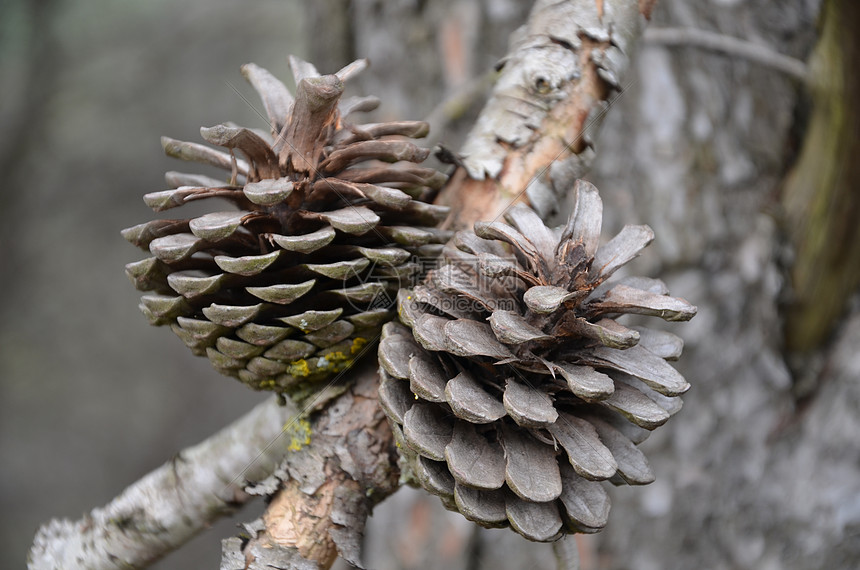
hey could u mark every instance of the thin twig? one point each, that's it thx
(728, 45)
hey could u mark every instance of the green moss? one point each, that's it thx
(304, 378)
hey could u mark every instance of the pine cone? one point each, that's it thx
(517, 391)
(286, 288)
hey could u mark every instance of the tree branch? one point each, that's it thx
(170, 505)
(533, 138)
(728, 45)
(328, 487)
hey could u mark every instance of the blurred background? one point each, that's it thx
(748, 176)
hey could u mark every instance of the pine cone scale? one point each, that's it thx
(426, 380)
(589, 457)
(428, 431)
(487, 508)
(632, 464)
(536, 521)
(473, 461)
(640, 363)
(471, 402)
(531, 470)
(636, 407)
(620, 250)
(528, 406)
(276, 98)
(436, 478)
(586, 503)
(585, 382)
(195, 152)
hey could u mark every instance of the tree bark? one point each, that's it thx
(533, 138)
(326, 489)
(698, 149)
(748, 475)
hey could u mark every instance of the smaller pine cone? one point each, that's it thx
(516, 391)
(286, 286)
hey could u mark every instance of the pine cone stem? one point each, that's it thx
(566, 553)
(314, 112)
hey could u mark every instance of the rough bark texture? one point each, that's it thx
(422, 54)
(326, 488)
(710, 142)
(532, 139)
(169, 506)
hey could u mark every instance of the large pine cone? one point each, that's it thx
(517, 391)
(287, 287)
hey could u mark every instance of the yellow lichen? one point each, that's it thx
(267, 384)
(300, 434)
(357, 344)
(299, 368)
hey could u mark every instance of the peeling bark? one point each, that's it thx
(326, 489)
(533, 138)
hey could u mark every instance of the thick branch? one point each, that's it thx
(170, 505)
(533, 138)
(329, 487)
